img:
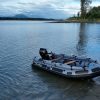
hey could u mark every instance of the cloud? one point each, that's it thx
(45, 8)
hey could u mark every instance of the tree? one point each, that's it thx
(78, 14)
(94, 13)
(84, 6)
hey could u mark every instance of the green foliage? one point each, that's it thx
(94, 13)
(84, 7)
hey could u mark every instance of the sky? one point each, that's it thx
(42, 8)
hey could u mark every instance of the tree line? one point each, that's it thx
(93, 13)
(84, 7)
(87, 12)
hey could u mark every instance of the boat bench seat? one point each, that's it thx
(69, 62)
(57, 59)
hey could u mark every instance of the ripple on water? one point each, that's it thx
(20, 41)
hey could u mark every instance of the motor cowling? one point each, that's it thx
(44, 54)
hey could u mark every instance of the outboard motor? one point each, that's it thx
(44, 54)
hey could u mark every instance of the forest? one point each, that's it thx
(93, 13)
(88, 12)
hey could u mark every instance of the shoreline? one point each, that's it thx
(25, 19)
(76, 21)
(22, 20)
(54, 21)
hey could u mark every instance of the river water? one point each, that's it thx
(20, 42)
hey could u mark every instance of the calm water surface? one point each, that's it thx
(21, 40)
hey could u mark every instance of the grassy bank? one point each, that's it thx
(78, 20)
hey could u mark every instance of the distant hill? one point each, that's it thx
(23, 17)
(20, 16)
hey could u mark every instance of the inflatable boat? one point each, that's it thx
(67, 66)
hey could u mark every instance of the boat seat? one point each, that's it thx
(57, 59)
(70, 62)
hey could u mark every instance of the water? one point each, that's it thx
(21, 40)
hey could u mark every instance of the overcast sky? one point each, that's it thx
(42, 8)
